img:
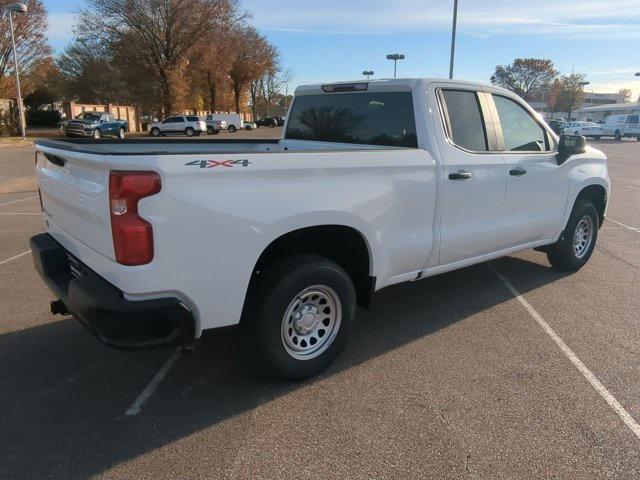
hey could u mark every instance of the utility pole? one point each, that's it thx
(17, 8)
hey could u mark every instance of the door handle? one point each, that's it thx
(460, 175)
(517, 172)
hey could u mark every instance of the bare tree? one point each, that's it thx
(272, 83)
(31, 45)
(254, 57)
(163, 33)
(90, 72)
(625, 93)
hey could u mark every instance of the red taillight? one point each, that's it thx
(132, 235)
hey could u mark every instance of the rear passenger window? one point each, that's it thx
(520, 130)
(363, 118)
(192, 119)
(465, 121)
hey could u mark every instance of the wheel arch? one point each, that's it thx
(596, 194)
(343, 244)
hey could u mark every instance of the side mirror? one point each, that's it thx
(570, 145)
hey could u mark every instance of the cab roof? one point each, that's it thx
(390, 85)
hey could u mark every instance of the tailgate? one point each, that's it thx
(75, 196)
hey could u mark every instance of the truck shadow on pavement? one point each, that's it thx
(64, 395)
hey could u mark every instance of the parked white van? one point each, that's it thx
(619, 126)
(234, 120)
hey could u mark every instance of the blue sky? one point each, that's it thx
(332, 40)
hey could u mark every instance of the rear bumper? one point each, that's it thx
(102, 308)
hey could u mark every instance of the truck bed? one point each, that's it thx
(153, 146)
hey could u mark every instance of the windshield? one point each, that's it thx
(88, 116)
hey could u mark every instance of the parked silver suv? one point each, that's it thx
(188, 125)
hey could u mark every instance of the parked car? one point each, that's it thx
(215, 126)
(249, 125)
(95, 125)
(556, 125)
(267, 122)
(586, 129)
(279, 121)
(287, 237)
(234, 120)
(188, 125)
(620, 126)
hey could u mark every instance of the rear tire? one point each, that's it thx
(299, 315)
(121, 134)
(232, 129)
(210, 130)
(578, 240)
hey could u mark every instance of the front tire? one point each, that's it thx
(96, 134)
(578, 240)
(155, 132)
(299, 315)
(232, 129)
(189, 132)
(121, 134)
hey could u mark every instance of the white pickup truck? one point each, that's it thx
(151, 242)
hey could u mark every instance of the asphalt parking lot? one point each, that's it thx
(502, 370)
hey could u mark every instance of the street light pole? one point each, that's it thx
(395, 57)
(638, 75)
(18, 8)
(368, 73)
(453, 37)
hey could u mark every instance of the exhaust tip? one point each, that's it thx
(58, 308)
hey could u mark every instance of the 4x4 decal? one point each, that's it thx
(219, 163)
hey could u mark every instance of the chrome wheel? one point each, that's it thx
(583, 236)
(311, 322)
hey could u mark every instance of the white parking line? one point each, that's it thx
(591, 378)
(633, 229)
(15, 257)
(136, 407)
(18, 201)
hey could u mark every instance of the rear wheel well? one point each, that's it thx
(344, 245)
(597, 195)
